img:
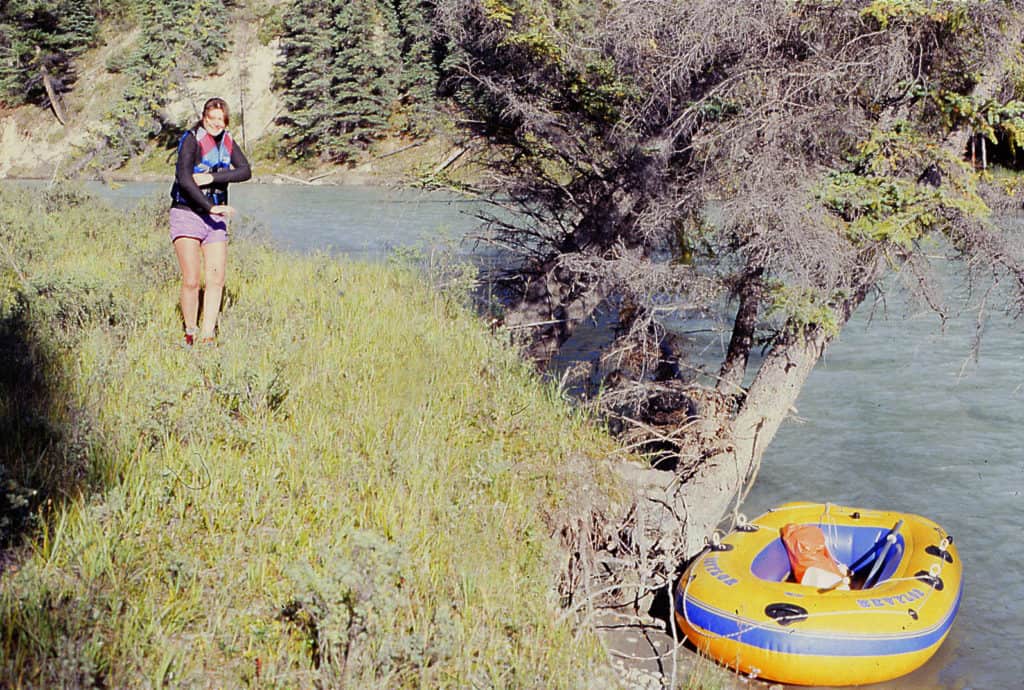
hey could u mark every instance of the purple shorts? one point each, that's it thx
(206, 229)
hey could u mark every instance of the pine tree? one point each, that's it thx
(338, 76)
(364, 80)
(177, 39)
(40, 37)
(353, 70)
(419, 71)
(303, 75)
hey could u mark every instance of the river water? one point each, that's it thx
(892, 418)
(358, 221)
(896, 416)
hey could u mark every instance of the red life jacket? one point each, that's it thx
(212, 157)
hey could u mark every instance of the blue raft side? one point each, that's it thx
(787, 640)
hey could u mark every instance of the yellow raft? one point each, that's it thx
(734, 601)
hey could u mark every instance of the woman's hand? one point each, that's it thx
(202, 179)
(222, 210)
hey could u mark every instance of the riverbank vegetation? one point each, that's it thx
(770, 167)
(357, 487)
(348, 74)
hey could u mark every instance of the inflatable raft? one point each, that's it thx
(736, 601)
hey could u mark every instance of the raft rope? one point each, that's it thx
(715, 542)
(752, 625)
(832, 529)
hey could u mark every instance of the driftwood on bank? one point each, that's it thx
(51, 91)
(290, 178)
(447, 162)
(399, 150)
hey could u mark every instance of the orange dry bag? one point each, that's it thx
(806, 547)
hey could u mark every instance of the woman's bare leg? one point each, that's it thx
(190, 260)
(216, 259)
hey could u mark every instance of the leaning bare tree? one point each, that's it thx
(777, 159)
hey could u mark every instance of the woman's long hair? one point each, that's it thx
(214, 104)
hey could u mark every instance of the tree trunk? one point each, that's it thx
(721, 484)
(725, 479)
(681, 517)
(557, 296)
(730, 378)
(51, 92)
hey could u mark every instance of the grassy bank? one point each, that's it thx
(357, 487)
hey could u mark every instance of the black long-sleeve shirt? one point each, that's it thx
(188, 153)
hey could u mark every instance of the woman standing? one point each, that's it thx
(208, 159)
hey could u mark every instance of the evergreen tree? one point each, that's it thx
(40, 37)
(303, 74)
(419, 77)
(177, 38)
(364, 76)
(353, 70)
(338, 76)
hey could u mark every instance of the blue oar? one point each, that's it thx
(890, 539)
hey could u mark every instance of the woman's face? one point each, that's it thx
(213, 121)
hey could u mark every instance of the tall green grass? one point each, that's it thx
(357, 487)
